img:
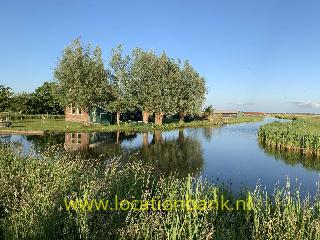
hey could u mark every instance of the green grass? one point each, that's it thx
(59, 125)
(308, 117)
(300, 135)
(33, 190)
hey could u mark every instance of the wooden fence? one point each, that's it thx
(10, 116)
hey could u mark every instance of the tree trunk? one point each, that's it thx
(158, 117)
(145, 141)
(182, 115)
(118, 118)
(181, 136)
(118, 137)
(145, 116)
(157, 136)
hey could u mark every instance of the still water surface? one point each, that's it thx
(229, 154)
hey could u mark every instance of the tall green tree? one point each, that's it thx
(155, 83)
(122, 99)
(5, 94)
(143, 86)
(168, 85)
(192, 91)
(81, 76)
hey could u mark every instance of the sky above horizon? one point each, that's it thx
(255, 55)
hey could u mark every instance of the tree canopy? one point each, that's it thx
(5, 94)
(143, 80)
(162, 86)
(119, 77)
(82, 77)
(45, 99)
(21, 102)
(192, 91)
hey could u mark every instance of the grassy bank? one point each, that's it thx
(300, 135)
(308, 117)
(59, 125)
(33, 190)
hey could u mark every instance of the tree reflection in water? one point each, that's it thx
(41, 142)
(182, 155)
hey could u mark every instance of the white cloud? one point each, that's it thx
(307, 104)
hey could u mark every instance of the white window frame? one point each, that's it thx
(78, 111)
(75, 138)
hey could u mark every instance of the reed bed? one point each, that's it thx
(296, 136)
(33, 188)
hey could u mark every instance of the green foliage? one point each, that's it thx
(33, 189)
(119, 76)
(21, 103)
(192, 90)
(162, 87)
(208, 110)
(82, 77)
(208, 114)
(45, 100)
(144, 78)
(145, 81)
(167, 86)
(5, 94)
(300, 136)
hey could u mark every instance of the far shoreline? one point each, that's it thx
(40, 127)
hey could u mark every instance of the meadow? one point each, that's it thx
(39, 126)
(33, 189)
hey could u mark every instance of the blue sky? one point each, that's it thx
(255, 55)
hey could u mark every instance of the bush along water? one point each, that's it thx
(34, 190)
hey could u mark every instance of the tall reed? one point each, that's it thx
(298, 136)
(33, 190)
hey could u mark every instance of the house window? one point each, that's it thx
(73, 138)
(76, 138)
(75, 110)
(79, 138)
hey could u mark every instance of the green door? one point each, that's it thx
(99, 115)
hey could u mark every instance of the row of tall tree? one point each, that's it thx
(44, 100)
(142, 80)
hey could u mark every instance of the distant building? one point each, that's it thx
(96, 114)
(253, 113)
(228, 113)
